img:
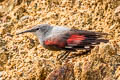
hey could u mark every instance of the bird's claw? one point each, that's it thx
(63, 56)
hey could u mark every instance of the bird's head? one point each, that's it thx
(37, 30)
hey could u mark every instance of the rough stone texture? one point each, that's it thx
(64, 72)
(22, 57)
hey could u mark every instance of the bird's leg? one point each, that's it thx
(63, 55)
(66, 55)
(83, 53)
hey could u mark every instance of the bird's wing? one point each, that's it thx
(84, 39)
(75, 39)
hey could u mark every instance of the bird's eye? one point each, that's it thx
(37, 29)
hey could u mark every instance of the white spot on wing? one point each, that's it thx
(87, 47)
(93, 43)
(68, 46)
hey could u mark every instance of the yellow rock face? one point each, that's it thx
(22, 57)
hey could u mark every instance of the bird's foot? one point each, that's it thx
(63, 56)
(82, 53)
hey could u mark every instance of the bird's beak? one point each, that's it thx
(30, 30)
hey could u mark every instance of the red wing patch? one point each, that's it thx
(75, 39)
(57, 43)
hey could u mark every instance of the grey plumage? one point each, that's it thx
(64, 38)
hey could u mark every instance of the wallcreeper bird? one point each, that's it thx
(63, 38)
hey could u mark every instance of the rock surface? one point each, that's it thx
(22, 57)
